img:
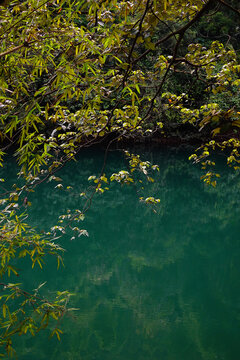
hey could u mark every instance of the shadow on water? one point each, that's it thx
(147, 285)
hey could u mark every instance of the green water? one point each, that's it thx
(149, 285)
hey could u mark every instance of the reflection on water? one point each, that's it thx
(147, 285)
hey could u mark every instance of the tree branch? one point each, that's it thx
(229, 6)
(182, 30)
(25, 44)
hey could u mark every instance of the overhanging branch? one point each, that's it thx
(229, 6)
(182, 30)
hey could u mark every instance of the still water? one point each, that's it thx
(150, 283)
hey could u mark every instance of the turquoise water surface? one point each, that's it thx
(150, 283)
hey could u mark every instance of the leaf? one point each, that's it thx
(216, 131)
(4, 309)
(236, 123)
